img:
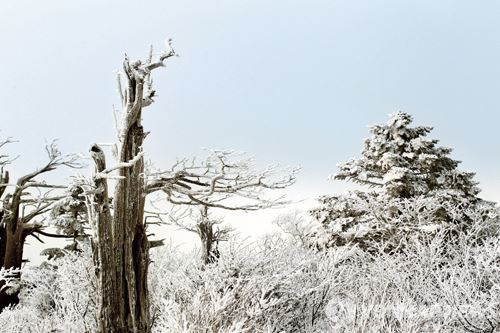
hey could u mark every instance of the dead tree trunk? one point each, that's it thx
(120, 244)
(102, 248)
(129, 231)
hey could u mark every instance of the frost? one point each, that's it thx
(416, 189)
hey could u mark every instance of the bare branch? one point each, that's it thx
(156, 243)
(105, 173)
(21, 206)
(223, 180)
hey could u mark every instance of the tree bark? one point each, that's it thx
(209, 251)
(3, 240)
(129, 234)
(12, 257)
(120, 247)
(102, 248)
(12, 237)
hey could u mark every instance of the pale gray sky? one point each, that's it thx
(294, 82)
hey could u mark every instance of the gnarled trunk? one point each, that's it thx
(209, 250)
(11, 249)
(120, 247)
(131, 245)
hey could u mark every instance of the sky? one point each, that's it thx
(288, 81)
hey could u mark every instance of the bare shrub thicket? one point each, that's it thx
(267, 287)
(276, 285)
(429, 287)
(57, 296)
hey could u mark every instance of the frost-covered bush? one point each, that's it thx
(277, 286)
(57, 296)
(297, 226)
(374, 221)
(10, 279)
(273, 287)
(431, 287)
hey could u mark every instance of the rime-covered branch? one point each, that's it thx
(223, 180)
(138, 92)
(106, 172)
(29, 198)
(4, 160)
(41, 202)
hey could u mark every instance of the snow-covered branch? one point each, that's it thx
(223, 180)
(138, 92)
(105, 174)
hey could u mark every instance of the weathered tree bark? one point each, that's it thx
(209, 250)
(102, 248)
(209, 239)
(12, 257)
(4, 179)
(12, 237)
(120, 245)
(3, 238)
(132, 247)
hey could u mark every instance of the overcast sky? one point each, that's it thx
(294, 82)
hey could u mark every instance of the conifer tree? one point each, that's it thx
(404, 163)
(414, 186)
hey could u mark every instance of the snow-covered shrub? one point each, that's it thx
(297, 226)
(429, 287)
(433, 286)
(277, 286)
(10, 279)
(374, 221)
(273, 287)
(57, 296)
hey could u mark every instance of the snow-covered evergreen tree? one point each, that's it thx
(415, 187)
(405, 163)
(69, 214)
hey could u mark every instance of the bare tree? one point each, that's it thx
(200, 221)
(297, 226)
(119, 241)
(21, 213)
(225, 180)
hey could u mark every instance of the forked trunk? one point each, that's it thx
(120, 246)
